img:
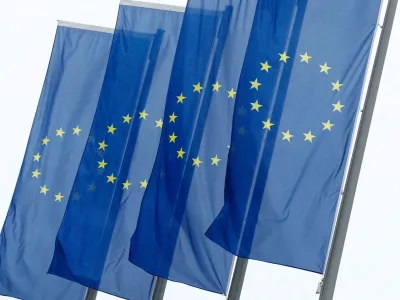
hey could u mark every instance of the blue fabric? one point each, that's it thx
(93, 241)
(68, 99)
(280, 195)
(182, 199)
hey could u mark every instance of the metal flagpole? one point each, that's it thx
(91, 294)
(238, 278)
(332, 268)
(159, 288)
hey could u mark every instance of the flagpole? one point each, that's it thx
(90, 294)
(332, 268)
(239, 272)
(159, 288)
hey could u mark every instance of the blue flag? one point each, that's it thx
(298, 97)
(185, 190)
(58, 137)
(93, 241)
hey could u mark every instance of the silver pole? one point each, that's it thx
(332, 268)
(159, 288)
(91, 294)
(237, 279)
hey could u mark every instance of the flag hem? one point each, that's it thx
(85, 26)
(153, 5)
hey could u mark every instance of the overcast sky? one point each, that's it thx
(371, 259)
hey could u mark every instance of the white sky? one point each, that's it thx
(372, 252)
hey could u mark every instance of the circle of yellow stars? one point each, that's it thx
(267, 124)
(172, 117)
(37, 158)
(102, 147)
(255, 106)
(111, 129)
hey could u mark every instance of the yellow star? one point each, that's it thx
(231, 94)
(338, 107)
(172, 118)
(76, 130)
(36, 174)
(197, 88)
(336, 86)
(60, 132)
(43, 189)
(255, 84)
(216, 87)
(267, 124)
(305, 57)
(255, 106)
(197, 162)
(215, 160)
(111, 129)
(181, 153)
(325, 68)
(127, 118)
(283, 57)
(181, 98)
(308, 136)
(143, 114)
(111, 178)
(265, 66)
(36, 157)
(126, 185)
(287, 136)
(172, 138)
(58, 197)
(159, 123)
(143, 184)
(103, 145)
(45, 141)
(102, 164)
(328, 125)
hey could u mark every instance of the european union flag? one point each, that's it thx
(57, 139)
(185, 190)
(93, 241)
(297, 100)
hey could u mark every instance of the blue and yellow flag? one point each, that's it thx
(297, 101)
(93, 241)
(186, 187)
(57, 139)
